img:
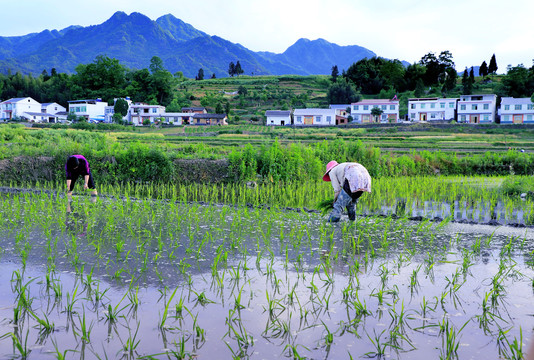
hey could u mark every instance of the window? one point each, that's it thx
(412, 116)
(433, 115)
(474, 107)
(318, 118)
(299, 119)
(518, 106)
(412, 106)
(433, 105)
(530, 107)
(486, 117)
(506, 107)
(423, 106)
(154, 110)
(366, 107)
(392, 107)
(442, 105)
(384, 117)
(462, 107)
(506, 117)
(529, 117)
(328, 119)
(355, 107)
(462, 118)
(384, 107)
(486, 106)
(451, 105)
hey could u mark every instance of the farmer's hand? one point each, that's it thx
(85, 186)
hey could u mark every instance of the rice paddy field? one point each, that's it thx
(431, 268)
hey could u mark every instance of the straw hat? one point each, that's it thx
(332, 164)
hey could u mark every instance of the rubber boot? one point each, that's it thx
(351, 210)
(343, 200)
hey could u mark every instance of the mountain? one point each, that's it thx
(134, 39)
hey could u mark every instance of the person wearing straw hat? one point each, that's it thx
(349, 180)
(76, 166)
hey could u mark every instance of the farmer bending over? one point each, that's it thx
(349, 180)
(77, 165)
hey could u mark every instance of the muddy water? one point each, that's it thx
(257, 284)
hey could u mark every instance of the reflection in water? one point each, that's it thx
(485, 212)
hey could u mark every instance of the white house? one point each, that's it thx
(516, 111)
(92, 109)
(16, 107)
(278, 118)
(477, 109)
(361, 111)
(54, 111)
(432, 109)
(175, 118)
(141, 112)
(325, 117)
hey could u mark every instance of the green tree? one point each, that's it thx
(467, 85)
(242, 90)
(483, 69)
(341, 92)
(419, 88)
(492, 68)
(200, 75)
(219, 108)
(335, 73)
(156, 65)
(121, 107)
(376, 112)
(238, 69)
(104, 78)
(231, 69)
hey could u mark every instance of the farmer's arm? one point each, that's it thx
(86, 183)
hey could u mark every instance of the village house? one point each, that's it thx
(139, 113)
(342, 113)
(208, 119)
(324, 117)
(516, 111)
(90, 109)
(20, 108)
(278, 118)
(361, 111)
(432, 109)
(177, 119)
(477, 109)
(54, 112)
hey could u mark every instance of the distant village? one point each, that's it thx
(473, 109)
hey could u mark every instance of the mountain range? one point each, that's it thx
(134, 39)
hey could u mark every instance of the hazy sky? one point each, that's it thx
(471, 29)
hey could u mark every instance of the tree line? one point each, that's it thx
(433, 74)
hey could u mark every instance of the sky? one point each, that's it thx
(472, 30)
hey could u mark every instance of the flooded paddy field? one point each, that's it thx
(104, 278)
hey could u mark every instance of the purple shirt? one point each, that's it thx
(82, 169)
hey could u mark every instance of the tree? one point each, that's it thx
(467, 85)
(200, 75)
(231, 69)
(436, 67)
(376, 112)
(218, 108)
(104, 78)
(419, 88)
(121, 107)
(238, 69)
(472, 75)
(341, 92)
(117, 118)
(242, 90)
(213, 76)
(483, 70)
(156, 64)
(335, 73)
(492, 68)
